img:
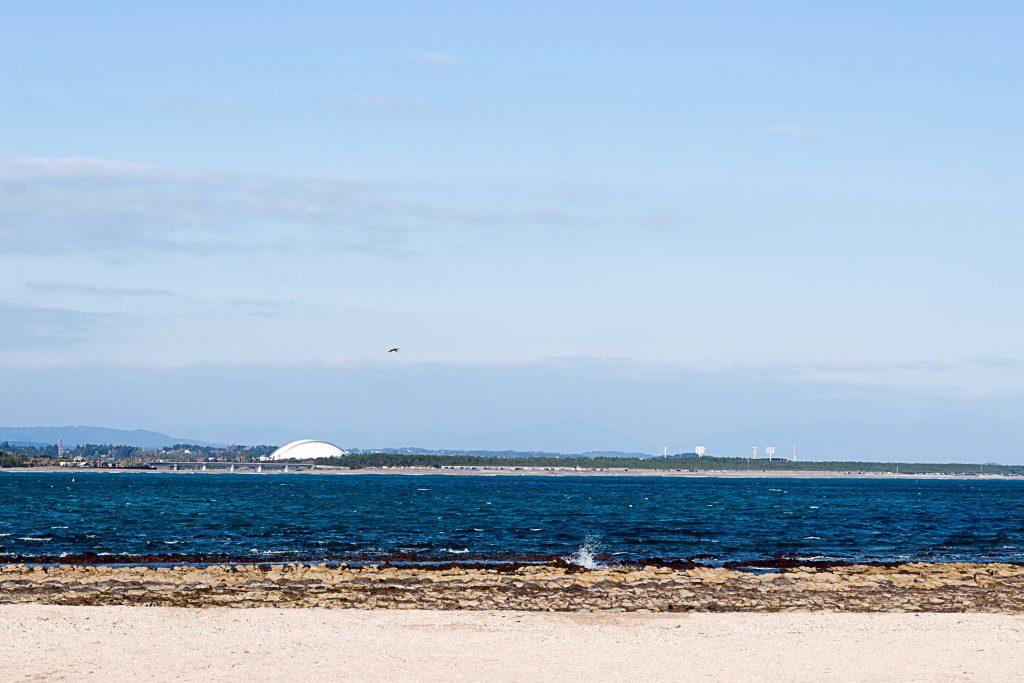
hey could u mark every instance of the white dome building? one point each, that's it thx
(307, 449)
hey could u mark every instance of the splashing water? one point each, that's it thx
(584, 555)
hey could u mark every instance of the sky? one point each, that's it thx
(587, 225)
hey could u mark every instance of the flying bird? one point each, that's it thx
(394, 349)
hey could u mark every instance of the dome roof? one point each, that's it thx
(306, 449)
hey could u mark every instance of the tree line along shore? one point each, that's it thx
(112, 456)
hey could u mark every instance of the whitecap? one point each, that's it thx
(453, 551)
(584, 555)
(43, 539)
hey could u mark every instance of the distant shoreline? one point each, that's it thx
(539, 472)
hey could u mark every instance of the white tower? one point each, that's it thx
(753, 452)
(770, 452)
(794, 453)
(700, 451)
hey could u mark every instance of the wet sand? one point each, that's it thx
(39, 642)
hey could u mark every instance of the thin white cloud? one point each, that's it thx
(438, 59)
(172, 302)
(201, 107)
(31, 169)
(793, 130)
(53, 205)
(81, 288)
(379, 102)
(999, 363)
(77, 205)
(34, 327)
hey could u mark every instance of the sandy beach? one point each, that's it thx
(39, 642)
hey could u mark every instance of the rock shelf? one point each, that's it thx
(912, 587)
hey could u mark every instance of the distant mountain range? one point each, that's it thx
(78, 435)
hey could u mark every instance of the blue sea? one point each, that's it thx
(443, 518)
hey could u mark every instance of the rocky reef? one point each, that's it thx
(912, 587)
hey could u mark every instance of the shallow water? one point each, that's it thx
(447, 517)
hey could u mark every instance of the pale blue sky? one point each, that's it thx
(826, 194)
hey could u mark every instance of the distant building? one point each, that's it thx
(307, 449)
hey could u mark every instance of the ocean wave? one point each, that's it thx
(584, 555)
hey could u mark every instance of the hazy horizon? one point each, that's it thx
(565, 405)
(587, 227)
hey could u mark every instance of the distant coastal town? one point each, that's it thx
(268, 458)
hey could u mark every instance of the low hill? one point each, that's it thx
(76, 435)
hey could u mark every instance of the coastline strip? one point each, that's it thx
(913, 587)
(510, 471)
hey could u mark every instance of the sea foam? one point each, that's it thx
(584, 555)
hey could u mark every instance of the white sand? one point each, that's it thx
(40, 642)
